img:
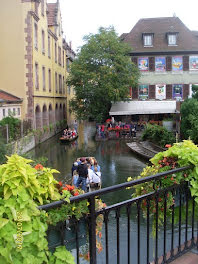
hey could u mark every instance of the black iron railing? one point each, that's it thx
(176, 234)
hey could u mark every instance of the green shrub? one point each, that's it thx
(13, 125)
(158, 134)
(2, 150)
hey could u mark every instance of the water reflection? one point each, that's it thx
(115, 158)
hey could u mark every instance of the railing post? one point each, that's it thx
(92, 230)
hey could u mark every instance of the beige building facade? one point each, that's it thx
(33, 57)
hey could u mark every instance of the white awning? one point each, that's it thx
(143, 107)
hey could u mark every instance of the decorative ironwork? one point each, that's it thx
(183, 203)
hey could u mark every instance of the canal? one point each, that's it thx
(117, 164)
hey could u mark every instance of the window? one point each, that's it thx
(9, 112)
(43, 73)
(49, 47)
(177, 63)
(56, 82)
(160, 64)
(4, 112)
(193, 63)
(60, 83)
(14, 111)
(177, 91)
(148, 40)
(172, 39)
(68, 65)
(59, 55)
(143, 91)
(19, 111)
(50, 80)
(63, 85)
(143, 64)
(160, 91)
(35, 36)
(63, 59)
(36, 76)
(55, 52)
(43, 41)
(42, 7)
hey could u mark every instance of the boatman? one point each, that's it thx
(83, 174)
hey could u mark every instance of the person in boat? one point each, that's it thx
(94, 178)
(83, 174)
(65, 133)
(74, 134)
(69, 133)
(75, 173)
(95, 164)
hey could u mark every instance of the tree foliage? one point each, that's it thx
(189, 119)
(101, 74)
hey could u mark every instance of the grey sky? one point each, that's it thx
(81, 17)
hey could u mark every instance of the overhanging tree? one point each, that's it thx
(101, 74)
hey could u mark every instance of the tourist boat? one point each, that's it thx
(65, 140)
(89, 187)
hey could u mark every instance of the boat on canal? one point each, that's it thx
(66, 139)
(145, 149)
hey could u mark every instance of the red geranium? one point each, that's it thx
(38, 167)
(76, 193)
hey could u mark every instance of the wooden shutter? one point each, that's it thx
(169, 63)
(135, 93)
(169, 91)
(186, 63)
(151, 63)
(151, 91)
(185, 91)
(134, 60)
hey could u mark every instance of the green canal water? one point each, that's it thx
(117, 164)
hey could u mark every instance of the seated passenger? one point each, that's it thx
(94, 179)
(73, 133)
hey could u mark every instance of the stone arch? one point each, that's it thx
(51, 117)
(64, 112)
(45, 116)
(56, 113)
(38, 117)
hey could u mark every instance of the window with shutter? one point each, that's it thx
(168, 63)
(135, 92)
(185, 91)
(169, 93)
(186, 63)
(151, 91)
(134, 60)
(151, 63)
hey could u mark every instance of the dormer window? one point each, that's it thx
(148, 40)
(172, 39)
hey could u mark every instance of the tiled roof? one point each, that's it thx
(186, 39)
(7, 97)
(52, 11)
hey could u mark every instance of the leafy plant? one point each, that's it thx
(158, 134)
(22, 189)
(181, 154)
